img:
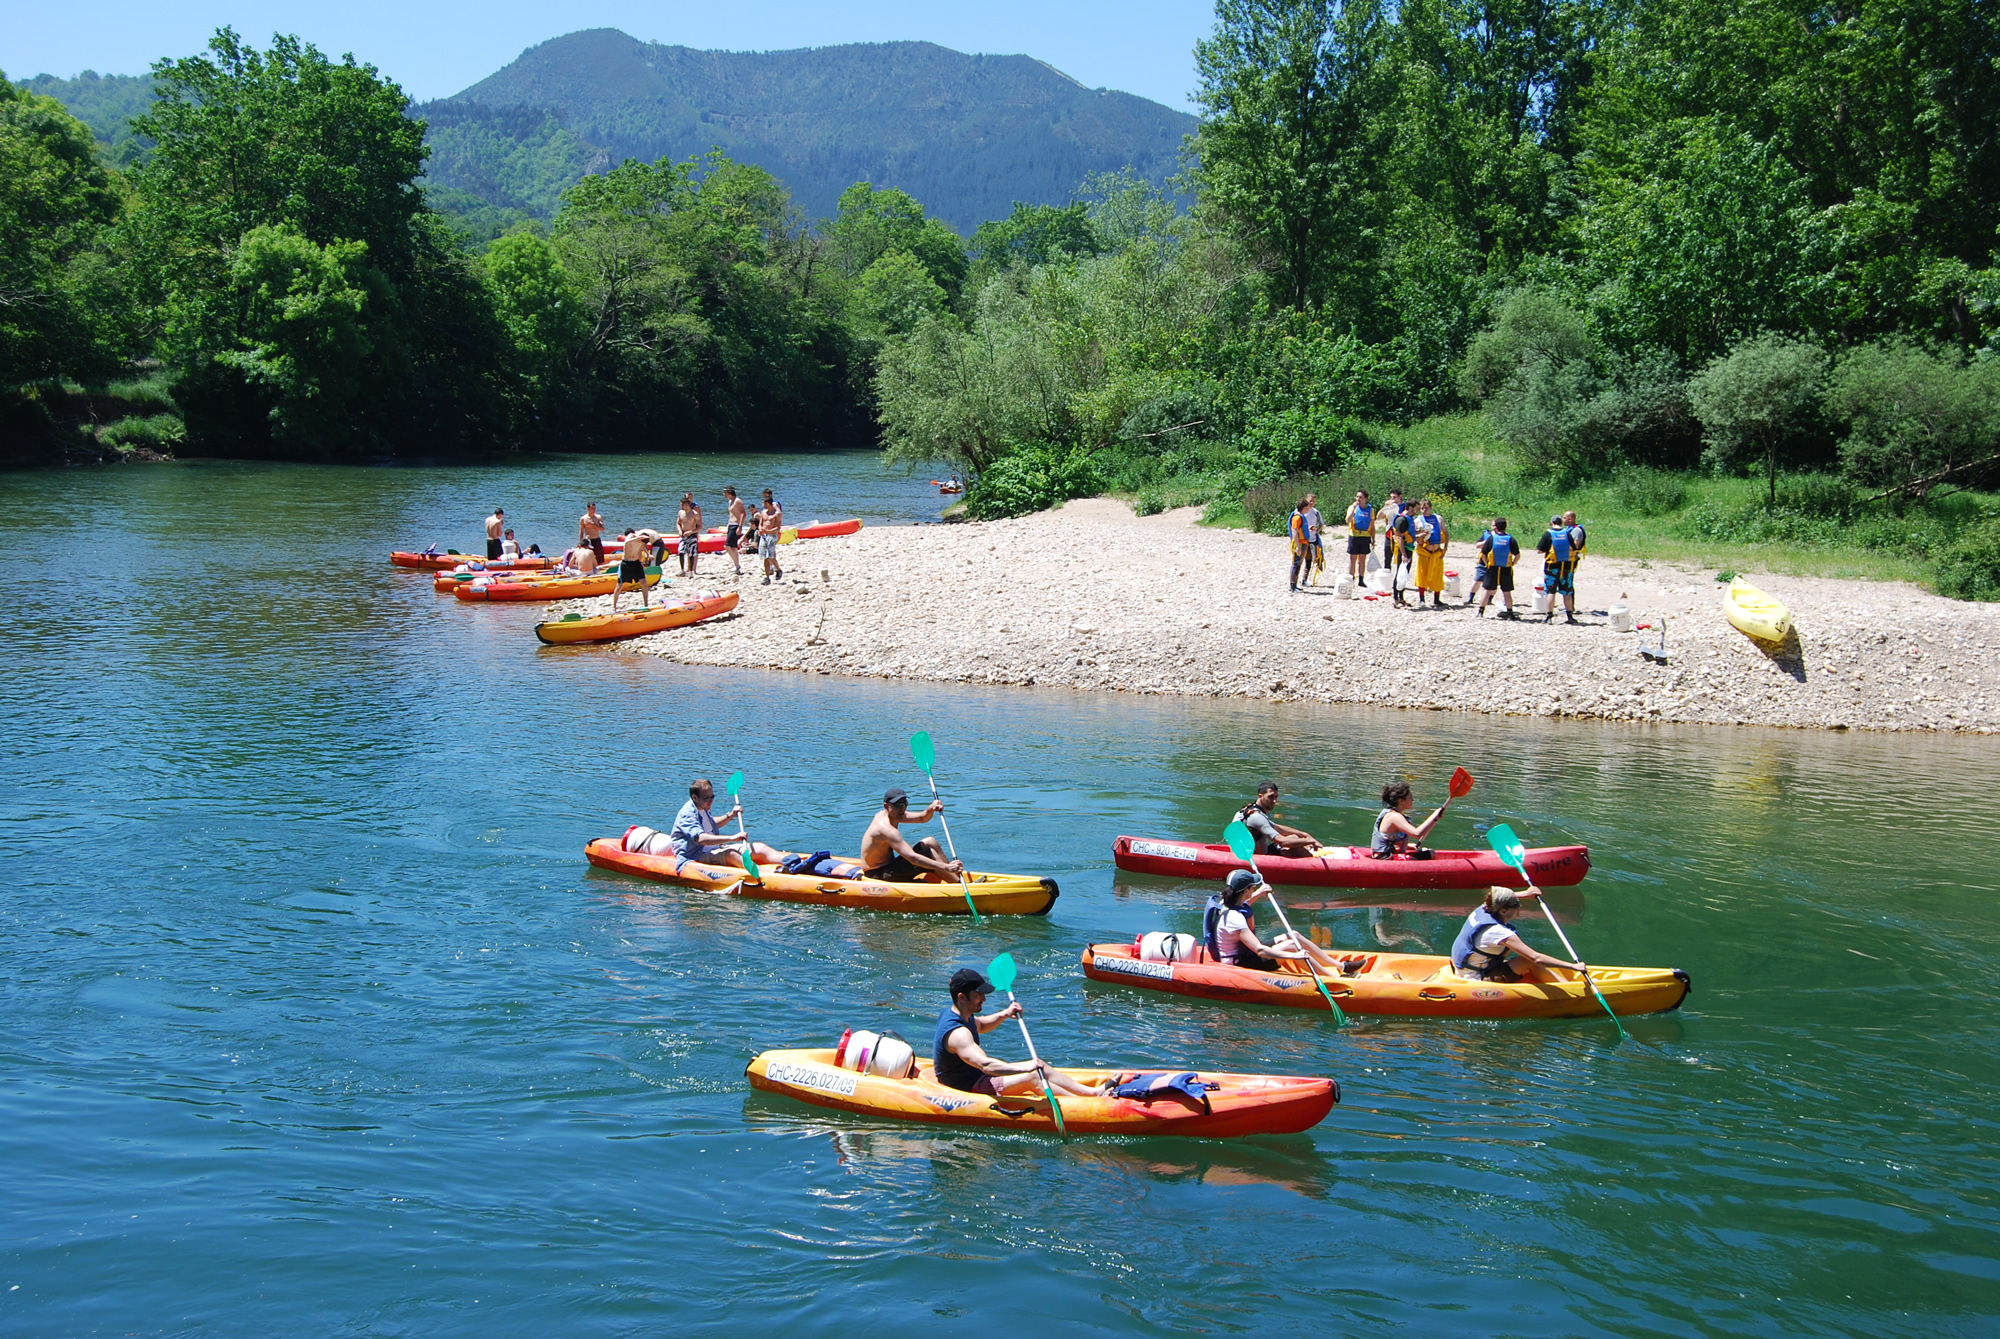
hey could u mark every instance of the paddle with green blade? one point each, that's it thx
(1509, 848)
(925, 754)
(1244, 847)
(1001, 973)
(735, 791)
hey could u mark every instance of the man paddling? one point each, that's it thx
(889, 856)
(958, 1060)
(695, 836)
(1274, 838)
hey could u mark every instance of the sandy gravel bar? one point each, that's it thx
(1092, 597)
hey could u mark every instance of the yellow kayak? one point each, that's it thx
(1755, 614)
(993, 894)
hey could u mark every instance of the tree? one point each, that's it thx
(1750, 398)
(872, 220)
(895, 294)
(1915, 415)
(1033, 235)
(1292, 141)
(301, 330)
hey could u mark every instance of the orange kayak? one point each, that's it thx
(573, 628)
(1239, 1104)
(450, 558)
(1402, 985)
(993, 894)
(546, 588)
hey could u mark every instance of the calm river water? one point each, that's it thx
(316, 1021)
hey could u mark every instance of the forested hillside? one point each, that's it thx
(968, 135)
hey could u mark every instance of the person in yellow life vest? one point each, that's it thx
(1301, 544)
(1398, 545)
(1360, 535)
(1498, 552)
(1432, 535)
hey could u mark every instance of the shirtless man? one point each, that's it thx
(886, 854)
(496, 525)
(632, 567)
(770, 524)
(739, 515)
(688, 522)
(580, 561)
(590, 530)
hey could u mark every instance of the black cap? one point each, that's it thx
(1242, 879)
(965, 981)
(895, 795)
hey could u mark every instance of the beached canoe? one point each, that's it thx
(1238, 1104)
(712, 542)
(1354, 867)
(450, 558)
(573, 628)
(549, 588)
(993, 894)
(1754, 614)
(1401, 985)
(445, 582)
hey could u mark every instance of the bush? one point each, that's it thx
(1912, 412)
(1820, 511)
(1031, 479)
(160, 432)
(1750, 400)
(1269, 505)
(1969, 567)
(1649, 492)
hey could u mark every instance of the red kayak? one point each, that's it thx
(1354, 867)
(712, 541)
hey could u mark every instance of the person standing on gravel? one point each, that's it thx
(1479, 550)
(1360, 535)
(1498, 552)
(1391, 510)
(733, 536)
(1315, 530)
(1558, 549)
(1432, 535)
(1301, 544)
(770, 525)
(688, 523)
(590, 530)
(1577, 537)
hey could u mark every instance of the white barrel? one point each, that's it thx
(1381, 580)
(855, 1048)
(1160, 946)
(1543, 601)
(1621, 618)
(637, 836)
(1344, 588)
(1452, 586)
(892, 1057)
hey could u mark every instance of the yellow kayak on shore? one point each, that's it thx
(1755, 614)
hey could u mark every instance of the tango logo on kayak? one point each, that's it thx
(948, 1103)
(1159, 971)
(1164, 849)
(813, 1076)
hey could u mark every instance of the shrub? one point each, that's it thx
(1649, 492)
(1969, 567)
(1749, 399)
(160, 432)
(1914, 414)
(1029, 479)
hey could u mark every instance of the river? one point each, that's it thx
(318, 1022)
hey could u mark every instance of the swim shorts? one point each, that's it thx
(1499, 578)
(1358, 545)
(1560, 580)
(729, 536)
(492, 548)
(767, 547)
(895, 870)
(631, 573)
(690, 545)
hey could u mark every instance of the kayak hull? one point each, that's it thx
(550, 588)
(636, 622)
(1244, 1104)
(1354, 867)
(712, 542)
(993, 894)
(1754, 614)
(444, 562)
(1394, 985)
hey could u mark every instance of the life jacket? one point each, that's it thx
(950, 1070)
(1434, 528)
(1504, 549)
(1211, 923)
(1559, 545)
(1577, 537)
(1382, 843)
(1363, 522)
(1298, 527)
(1483, 550)
(1463, 954)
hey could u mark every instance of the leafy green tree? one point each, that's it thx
(302, 332)
(872, 220)
(1033, 235)
(1292, 142)
(1914, 415)
(1751, 398)
(59, 298)
(539, 307)
(895, 294)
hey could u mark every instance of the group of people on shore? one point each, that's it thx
(1414, 540)
(748, 531)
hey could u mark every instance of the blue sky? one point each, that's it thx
(434, 48)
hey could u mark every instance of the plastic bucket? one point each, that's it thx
(1452, 586)
(1621, 618)
(1381, 580)
(1543, 602)
(1345, 587)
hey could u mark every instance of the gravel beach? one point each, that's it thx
(1092, 597)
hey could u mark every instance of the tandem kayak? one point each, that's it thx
(993, 894)
(450, 558)
(573, 628)
(1237, 1104)
(1354, 867)
(547, 588)
(712, 542)
(1754, 614)
(1401, 985)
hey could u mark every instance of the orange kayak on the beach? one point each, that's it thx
(574, 628)
(547, 588)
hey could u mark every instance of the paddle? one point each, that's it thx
(735, 786)
(1502, 839)
(1244, 846)
(925, 753)
(1001, 973)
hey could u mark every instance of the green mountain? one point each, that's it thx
(104, 102)
(966, 135)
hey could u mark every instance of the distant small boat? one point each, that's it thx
(949, 485)
(1755, 614)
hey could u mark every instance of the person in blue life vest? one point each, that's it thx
(1479, 550)
(959, 1061)
(1498, 552)
(1229, 930)
(1558, 549)
(1387, 514)
(1360, 535)
(1487, 949)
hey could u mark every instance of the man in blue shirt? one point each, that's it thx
(694, 833)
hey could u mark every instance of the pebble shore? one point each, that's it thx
(1092, 597)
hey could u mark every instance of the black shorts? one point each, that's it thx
(895, 870)
(1499, 578)
(1358, 545)
(631, 573)
(1245, 958)
(492, 548)
(729, 536)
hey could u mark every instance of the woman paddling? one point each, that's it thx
(1229, 930)
(1395, 835)
(1487, 949)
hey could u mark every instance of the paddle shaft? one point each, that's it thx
(1054, 1105)
(953, 852)
(1339, 1018)
(1571, 949)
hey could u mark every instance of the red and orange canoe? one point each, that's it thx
(450, 558)
(1354, 866)
(547, 588)
(574, 628)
